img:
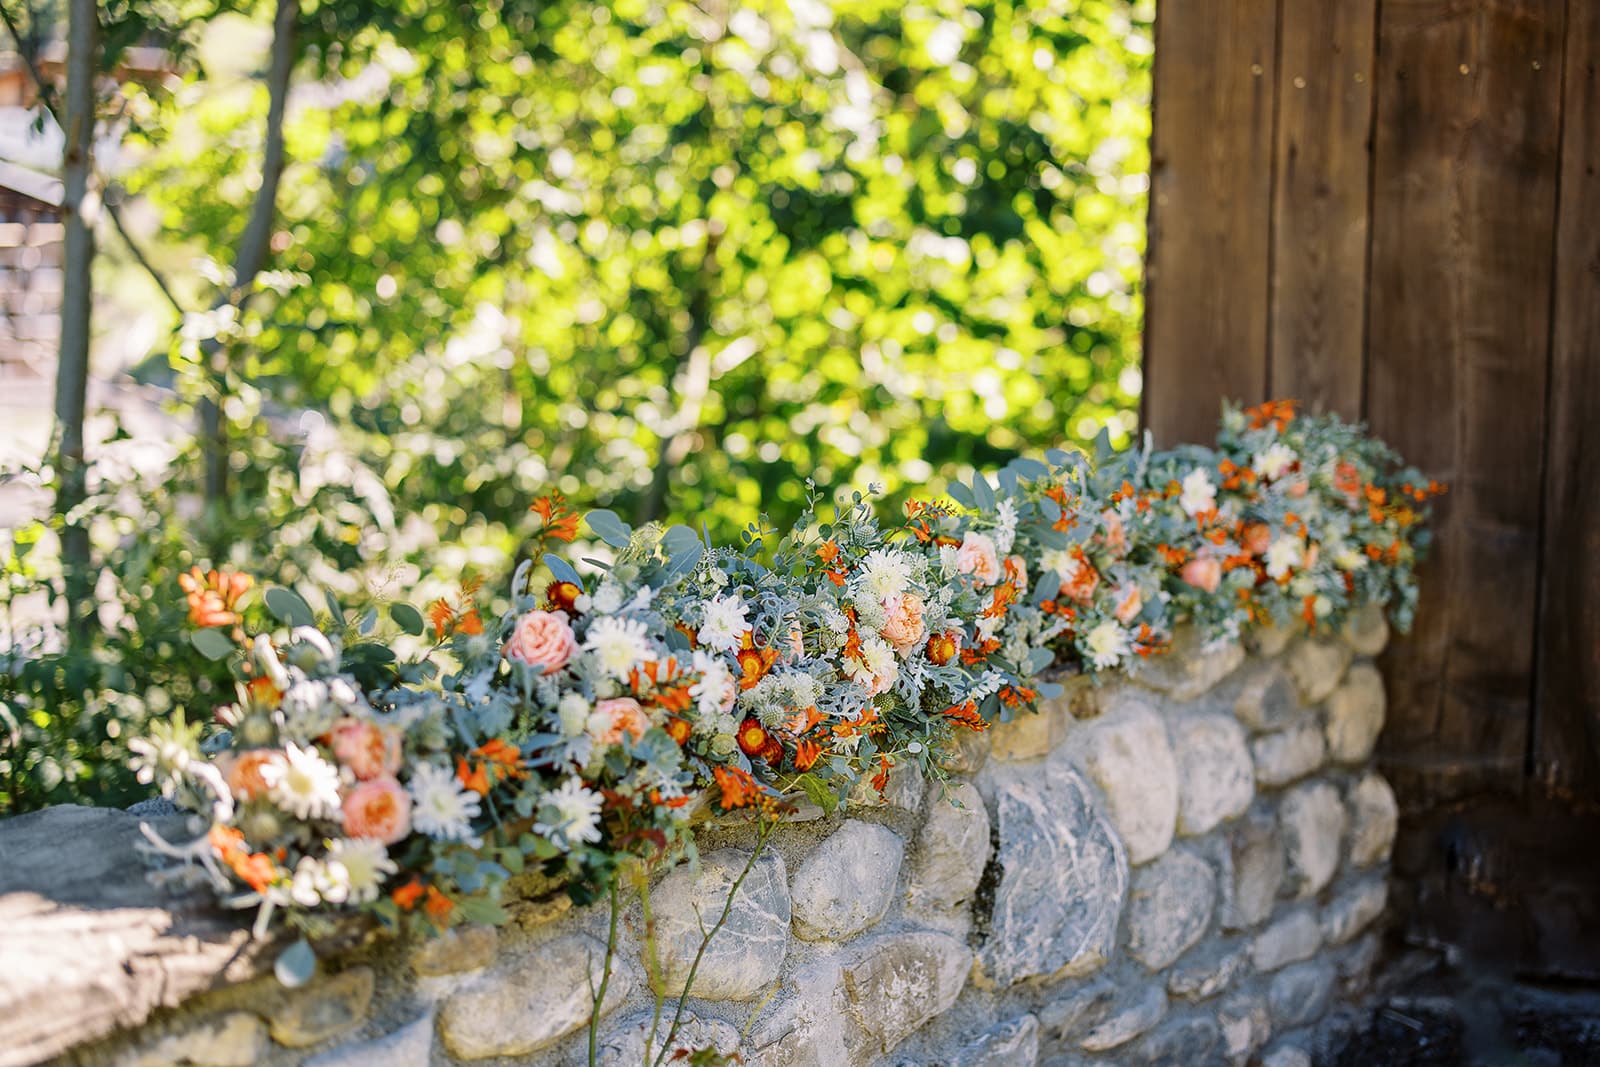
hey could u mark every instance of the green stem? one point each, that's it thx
(763, 830)
(605, 979)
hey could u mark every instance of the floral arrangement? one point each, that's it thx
(591, 726)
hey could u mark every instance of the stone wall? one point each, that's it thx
(1186, 866)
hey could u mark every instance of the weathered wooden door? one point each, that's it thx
(1392, 210)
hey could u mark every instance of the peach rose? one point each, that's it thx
(977, 557)
(542, 638)
(1129, 601)
(1116, 534)
(1257, 538)
(1312, 553)
(369, 750)
(618, 716)
(243, 773)
(1203, 572)
(380, 808)
(904, 628)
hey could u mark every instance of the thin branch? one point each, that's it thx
(139, 256)
(257, 238)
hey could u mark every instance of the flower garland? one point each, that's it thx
(587, 728)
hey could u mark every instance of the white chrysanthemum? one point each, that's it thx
(876, 668)
(441, 807)
(617, 645)
(573, 713)
(885, 574)
(607, 599)
(726, 618)
(804, 690)
(1273, 460)
(714, 693)
(1005, 530)
(1348, 558)
(1107, 643)
(577, 816)
(302, 783)
(1282, 555)
(1059, 561)
(1199, 494)
(949, 562)
(366, 865)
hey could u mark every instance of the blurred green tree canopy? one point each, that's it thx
(676, 259)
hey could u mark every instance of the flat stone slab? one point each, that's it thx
(88, 945)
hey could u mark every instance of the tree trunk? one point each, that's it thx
(254, 245)
(72, 374)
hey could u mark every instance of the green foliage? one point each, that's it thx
(669, 259)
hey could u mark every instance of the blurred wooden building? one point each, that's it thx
(1392, 210)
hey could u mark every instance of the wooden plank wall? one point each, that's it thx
(1391, 209)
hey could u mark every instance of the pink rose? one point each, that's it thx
(1203, 572)
(380, 808)
(369, 750)
(904, 628)
(542, 638)
(1116, 534)
(977, 557)
(620, 715)
(1129, 601)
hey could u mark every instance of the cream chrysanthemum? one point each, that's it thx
(442, 808)
(617, 645)
(577, 814)
(726, 618)
(302, 783)
(1108, 644)
(366, 865)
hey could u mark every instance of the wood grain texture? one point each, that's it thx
(1210, 214)
(1320, 204)
(1467, 135)
(1567, 714)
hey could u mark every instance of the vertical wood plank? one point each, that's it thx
(1210, 213)
(1567, 715)
(1466, 150)
(1320, 204)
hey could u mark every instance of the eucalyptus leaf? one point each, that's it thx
(212, 643)
(609, 528)
(287, 607)
(407, 618)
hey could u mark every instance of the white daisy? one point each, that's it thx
(1273, 460)
(1107, 643)
(1199, 494)
(876, 669)
(617, 644)
(1283, 554)
(726, 620)
(441, 808)
(716, 690)
(366, 865)
(577, 814)
(885, 574)
(302, 783)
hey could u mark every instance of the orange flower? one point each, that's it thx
(563, 596)
(500, 760)
(942, 647)
(559, 523)
(738, 787)
(213, 595)
(806, 754)
(754, 663)
(828, 552)
(1277, 412)
(678, 729)
(244, 777)
(752, 737)
(406, 896)
(438, 906)
(966, 715)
